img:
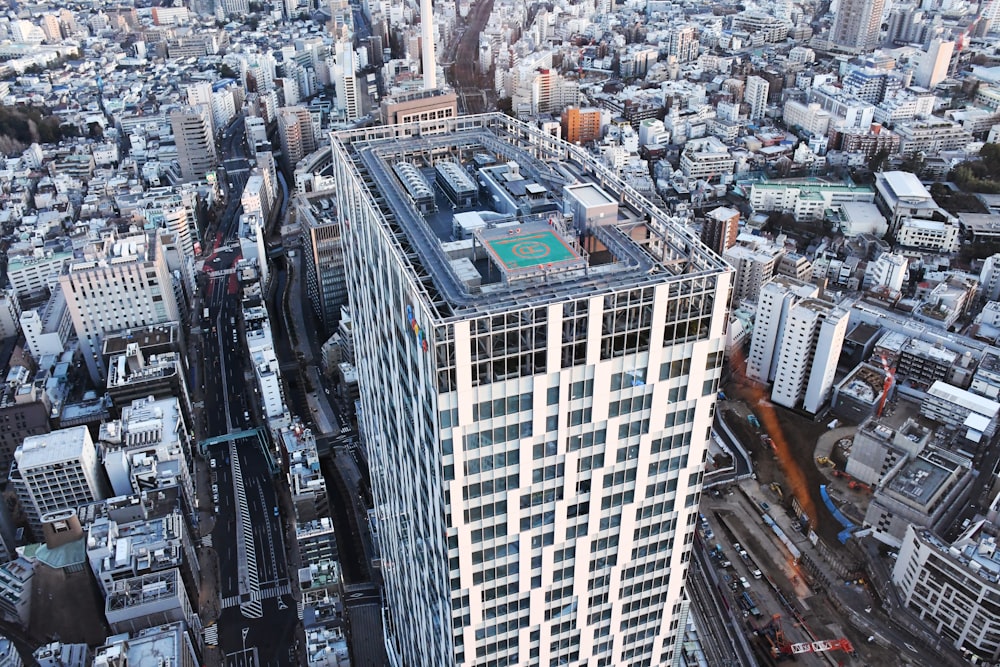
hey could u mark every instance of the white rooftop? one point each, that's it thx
(976, 403)
(905, 185)
(58, 446)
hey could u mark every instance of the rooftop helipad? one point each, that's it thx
(528, 249)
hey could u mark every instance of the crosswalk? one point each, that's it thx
(257, 596)
(211, 634)
(206, 540)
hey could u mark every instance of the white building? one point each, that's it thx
(56, 471)
(117, 284)
(168, 644)
(755, 95)
(934, 64)
(776, 298)
(811, 117)
(989, 278)
(951, 586)
(810, 349)
(754, 263)
(707, 158)
(491, 413)
(940, 236)
(888, 270)
(804, 199)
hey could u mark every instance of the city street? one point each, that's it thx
(257, 618)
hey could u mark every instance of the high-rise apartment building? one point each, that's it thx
(192, 127)
(810, 347)
(295, 132)
(346, 79)
(580, 126)
(756, 96)
(533, 504)
(934, 64)
(117, 283)
(776, 298)
(856, 25)
(56, 471)
(720, 228)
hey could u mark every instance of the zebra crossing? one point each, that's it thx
(206, 540)
(253, 607)
(258, 596)
(211, 634)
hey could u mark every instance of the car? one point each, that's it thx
(275, 510)
(764, 506)
(756, 573)
(213, 463)
(215, 489)
(736, 545)
(744, 582)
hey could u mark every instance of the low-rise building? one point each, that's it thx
(986, 379)
(806, 200)
(858, 396)
(973, 416)
(164, 644)
(940, 236)
(305, 479)
(878, 447)
(927, 490)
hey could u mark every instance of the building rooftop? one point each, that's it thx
(640, 246)
(56, 447)
(929, 351)
(919, 480)
(520, 250)
(904, 185)
(974, 402)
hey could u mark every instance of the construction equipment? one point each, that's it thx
(780, 647)
(841, 473)
(859, 486)
(752, 418)
(825, 461)
(777, 491)
(886, 386)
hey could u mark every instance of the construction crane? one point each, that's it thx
(886, 386)
(859, 486)
(780, 647)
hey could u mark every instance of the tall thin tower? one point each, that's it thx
(427, 44)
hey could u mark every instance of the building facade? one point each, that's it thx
(810, 348)
(56, 471)
(117, 284)
(530, 501)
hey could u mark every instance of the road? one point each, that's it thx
(473, 96)
(258, 614)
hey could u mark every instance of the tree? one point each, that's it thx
(878, 160)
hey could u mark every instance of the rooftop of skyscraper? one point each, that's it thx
(548, 221)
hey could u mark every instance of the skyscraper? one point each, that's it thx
(536, 399)
(295, 133)
(427, 59)
(192, 128)
(857, 24)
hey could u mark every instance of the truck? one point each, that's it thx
(752, 418)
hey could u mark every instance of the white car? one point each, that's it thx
(744, 582)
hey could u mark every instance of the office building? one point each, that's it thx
(192, 127)
(56, 471)
(928, 489)
(776, 299)
(755, 95)
(520, 473)
(322, 243)
(807, 361)
(117, 283)
(24, 412)
(163, 644)
(856, 25)
(427, 60)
